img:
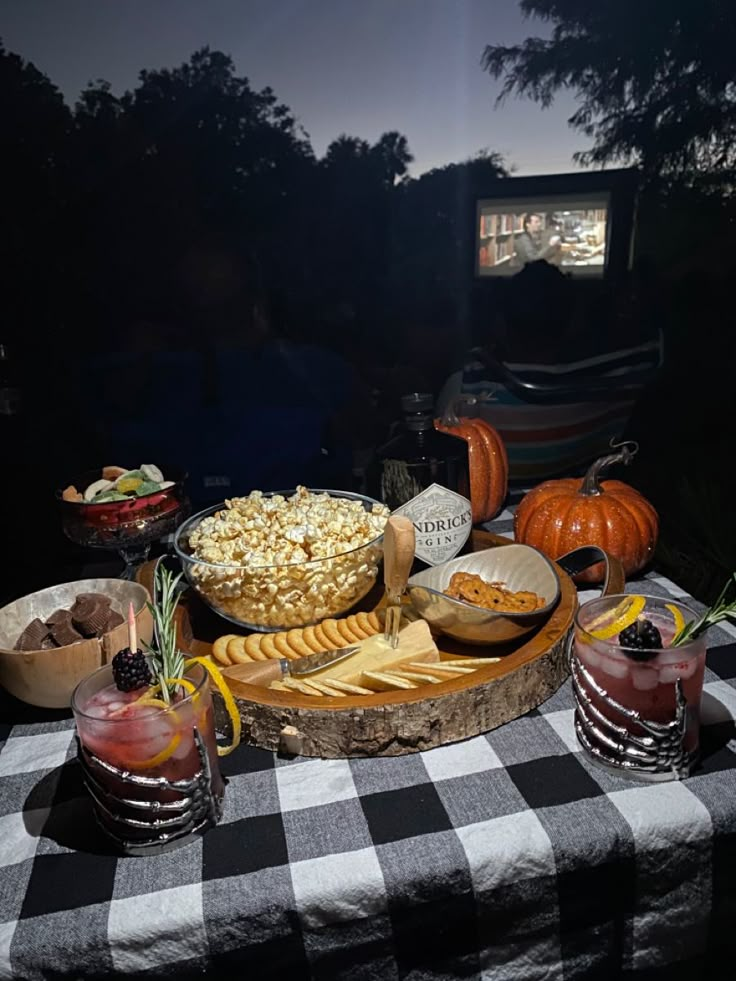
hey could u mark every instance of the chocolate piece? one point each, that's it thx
(64, 633)
(59, 616)
(33, 636)
(94, 598)
(90, 613)
(49, 644)
(87, 604)
(114, 620)
(93, 625)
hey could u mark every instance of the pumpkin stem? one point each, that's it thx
(627, 451)
(452, 413)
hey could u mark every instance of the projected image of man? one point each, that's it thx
(532, 244)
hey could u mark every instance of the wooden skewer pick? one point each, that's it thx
(132, 635)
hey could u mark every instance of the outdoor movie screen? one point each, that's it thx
(567, 231)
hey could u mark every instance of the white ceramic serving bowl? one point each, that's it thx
(518, 567)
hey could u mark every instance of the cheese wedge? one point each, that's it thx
(376, 654)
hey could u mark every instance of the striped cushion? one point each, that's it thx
(552, 439)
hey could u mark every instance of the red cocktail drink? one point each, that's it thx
(151, 767)
(637, 707)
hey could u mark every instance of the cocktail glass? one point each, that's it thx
(637, 711)
(152, 770)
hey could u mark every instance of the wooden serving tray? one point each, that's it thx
(396, 723)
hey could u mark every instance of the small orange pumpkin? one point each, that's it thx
(560, 515)
(487, 459)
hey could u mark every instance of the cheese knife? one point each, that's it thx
(264, 672)
(399, 542)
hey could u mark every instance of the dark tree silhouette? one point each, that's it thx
(192, 152)
(433, 225)
(655, 81)
(33, 125)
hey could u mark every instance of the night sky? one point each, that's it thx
(359, 67)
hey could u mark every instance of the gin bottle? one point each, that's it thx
(423, 474)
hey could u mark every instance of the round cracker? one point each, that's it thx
(297, 643)
(356, 628)
(330, 630)
(322, 638)
(253, 647)
(268, 647)
(281, 643)
(236, 651)
(343, 628)
(373, 621)
(364, 623)
(219, 649)
(314, 644)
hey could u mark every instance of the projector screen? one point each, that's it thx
(570, 231)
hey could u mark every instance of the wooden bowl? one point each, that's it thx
(48, 678)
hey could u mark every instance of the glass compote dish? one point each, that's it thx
(128, 525)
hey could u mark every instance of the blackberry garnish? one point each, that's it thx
(130, 670)
(640, 639)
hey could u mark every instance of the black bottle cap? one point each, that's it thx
(417, 402)
(419, 422)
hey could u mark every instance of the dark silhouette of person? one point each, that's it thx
(532, 245)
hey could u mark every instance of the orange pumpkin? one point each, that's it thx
(560, 515)
(487, 459)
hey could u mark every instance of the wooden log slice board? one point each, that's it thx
(401, 722)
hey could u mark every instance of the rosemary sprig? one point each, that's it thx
(720, 610)
(166, 660)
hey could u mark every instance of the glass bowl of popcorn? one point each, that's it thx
(276, 560)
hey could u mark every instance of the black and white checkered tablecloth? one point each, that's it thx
(506, 857)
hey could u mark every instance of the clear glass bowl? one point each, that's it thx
(127, 527)
(270, 598)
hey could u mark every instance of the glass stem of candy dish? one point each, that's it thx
(133, 557)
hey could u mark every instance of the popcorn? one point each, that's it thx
(286, 562)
